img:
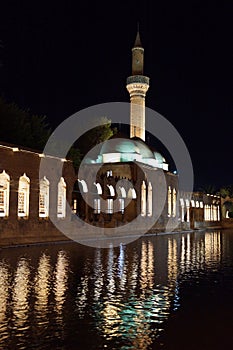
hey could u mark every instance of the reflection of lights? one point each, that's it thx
(143, 277)
(61, 276)
(212, 247)
(132, 281)
(172, 265)
(82, 290)
(42, 286)
(122, 268)
(20, 293)
(98, 275)
(150, 265)
(112, 319)
(4, 290)
(110, 272)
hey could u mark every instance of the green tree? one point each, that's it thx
(208, 189)
(96, 135)
(21, 127)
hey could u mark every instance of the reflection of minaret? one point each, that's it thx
(137, 86)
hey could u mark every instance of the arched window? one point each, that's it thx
(4, 194)
(97, 207)
(98, 187)
(110, 205)
(96, 202)
(143, 199)
(61, 199)
(84, 186)
(44, 198)
(149, 200)
(121, 199)
(111, 190)
(182, 209)
(132, 193)
(169, 202)
(174, 202)
(23, 196)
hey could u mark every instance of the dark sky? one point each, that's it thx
(59, 57)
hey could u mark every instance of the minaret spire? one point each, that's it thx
(138, 39)
(137, 86)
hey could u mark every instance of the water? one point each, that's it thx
(160, 292)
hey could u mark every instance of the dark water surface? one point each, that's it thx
(159, 292)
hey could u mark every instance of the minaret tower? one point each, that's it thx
(137, 86)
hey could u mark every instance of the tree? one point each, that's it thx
(21, 127)
(96, 135)
(208, 189)
(226, 191)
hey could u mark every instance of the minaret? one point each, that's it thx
(137, 86)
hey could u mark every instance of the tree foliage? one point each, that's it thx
(21, 127)
(96, 135)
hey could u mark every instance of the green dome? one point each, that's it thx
(119, 145)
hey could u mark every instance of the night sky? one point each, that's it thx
(60, 57)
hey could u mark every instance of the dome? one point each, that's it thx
(143, 148)
(119, 145)
(122, 149)
(158, 156)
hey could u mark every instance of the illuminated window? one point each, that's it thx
(197, 204)
(182, 209)
(132, 193)
(84, 186)
(121, 205)
(99, 188)
(97, 205)
(111, 190)
(44, 198)
(61, 199)
(110, 205)
(169, 202)
(201, 204)
(109, 173)
(174, 202)
(143, 199)
(192, 203)
(4, 194)
(149, 200)
(23, 196)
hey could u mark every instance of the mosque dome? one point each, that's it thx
(122, 149)
(119, 145)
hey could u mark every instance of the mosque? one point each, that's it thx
(126, 179)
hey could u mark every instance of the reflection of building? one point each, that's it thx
(132, 180)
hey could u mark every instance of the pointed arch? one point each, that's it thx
(132, 193)
(149, 200)
(111, 190)
(143, 199)
(98, 187)
(61, 199)
(44, 198)
(23, 196)
(174, 197)
(169, 201)
(84, 185)
(4, 194)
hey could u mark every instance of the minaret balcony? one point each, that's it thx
(140, 79)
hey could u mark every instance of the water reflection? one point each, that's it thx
(4, 292)
(123, 294)
(42, 289)
(20, 295)
(60, 283)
